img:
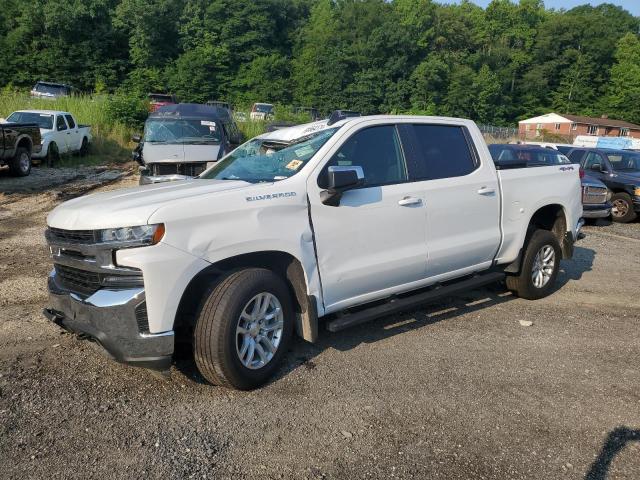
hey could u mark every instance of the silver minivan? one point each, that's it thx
(183, 140)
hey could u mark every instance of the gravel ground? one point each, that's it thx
(456, 390)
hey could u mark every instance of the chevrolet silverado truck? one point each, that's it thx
(18, 142)
(367, 217)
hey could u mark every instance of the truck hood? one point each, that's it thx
(179, 153)
(130, 206)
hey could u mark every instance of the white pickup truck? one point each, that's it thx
(60, 133)
(368, 216)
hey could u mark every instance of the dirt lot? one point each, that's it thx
(456, 390)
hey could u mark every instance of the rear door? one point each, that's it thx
(74, 136)
(461, 195)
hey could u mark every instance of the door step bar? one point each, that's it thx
(348, 320)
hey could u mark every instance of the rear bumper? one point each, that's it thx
(596, 211)
(109, 318)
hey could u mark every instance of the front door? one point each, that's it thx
(374, 241)
(61, 134)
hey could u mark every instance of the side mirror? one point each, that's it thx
(340, 180)
(596, 167)
(136, 138)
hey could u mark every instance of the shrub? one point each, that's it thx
(127, 110)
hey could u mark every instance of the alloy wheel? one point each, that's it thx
(259, 330)
(543, 266)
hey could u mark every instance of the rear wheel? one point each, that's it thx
(622, 210)
(244, 329)
(53, 154)
(84, 148)
(20, 164)
(540, 267)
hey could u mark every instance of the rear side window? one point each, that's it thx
(576, 155)
(377, 150)
(70, 121)
(442, 152)
(60, 125)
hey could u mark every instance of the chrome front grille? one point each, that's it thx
(76, 280)
(84, 265)
(72, 236)
(593, 195)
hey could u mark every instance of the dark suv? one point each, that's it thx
(619, 170)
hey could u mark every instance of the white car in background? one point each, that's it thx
(261, 111)
(60, 131)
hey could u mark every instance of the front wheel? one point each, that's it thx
(540, 267)
(244, 329)
(622, 210)
(20, 164)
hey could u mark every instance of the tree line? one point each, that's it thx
(494, 65)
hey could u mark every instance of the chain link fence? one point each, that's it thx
(498, 132)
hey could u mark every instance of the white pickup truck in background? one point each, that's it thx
(60, 133)
(368, 216)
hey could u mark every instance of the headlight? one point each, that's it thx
(142, 235)
(636, 192)
(609, 195)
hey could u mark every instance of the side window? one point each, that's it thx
(377, 150)
(443, 152)
(70, 121)
(591, 160)
(576, 156)
(60, 125)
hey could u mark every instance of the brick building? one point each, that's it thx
(570, 126)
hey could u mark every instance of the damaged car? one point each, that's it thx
(183, 140)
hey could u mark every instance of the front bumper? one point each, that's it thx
(596, 211)
(115, 320)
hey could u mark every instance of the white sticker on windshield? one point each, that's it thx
(301, 152)
(211, 125)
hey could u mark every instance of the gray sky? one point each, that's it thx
(632, 6)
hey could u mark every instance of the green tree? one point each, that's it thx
(623, 100)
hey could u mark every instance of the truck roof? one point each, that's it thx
(297, 131)
(191, 110)
(46, 112)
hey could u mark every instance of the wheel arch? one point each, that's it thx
(288, 267)
(551, 217)
(24, 142)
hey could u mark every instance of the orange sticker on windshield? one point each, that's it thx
(294, 164)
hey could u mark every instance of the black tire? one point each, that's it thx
(523, 284)
(84, 148)
(20, 164)
(53, 154)
(622, 210)
(215, 339)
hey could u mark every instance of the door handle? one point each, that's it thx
(486, 191)
(408, 201)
